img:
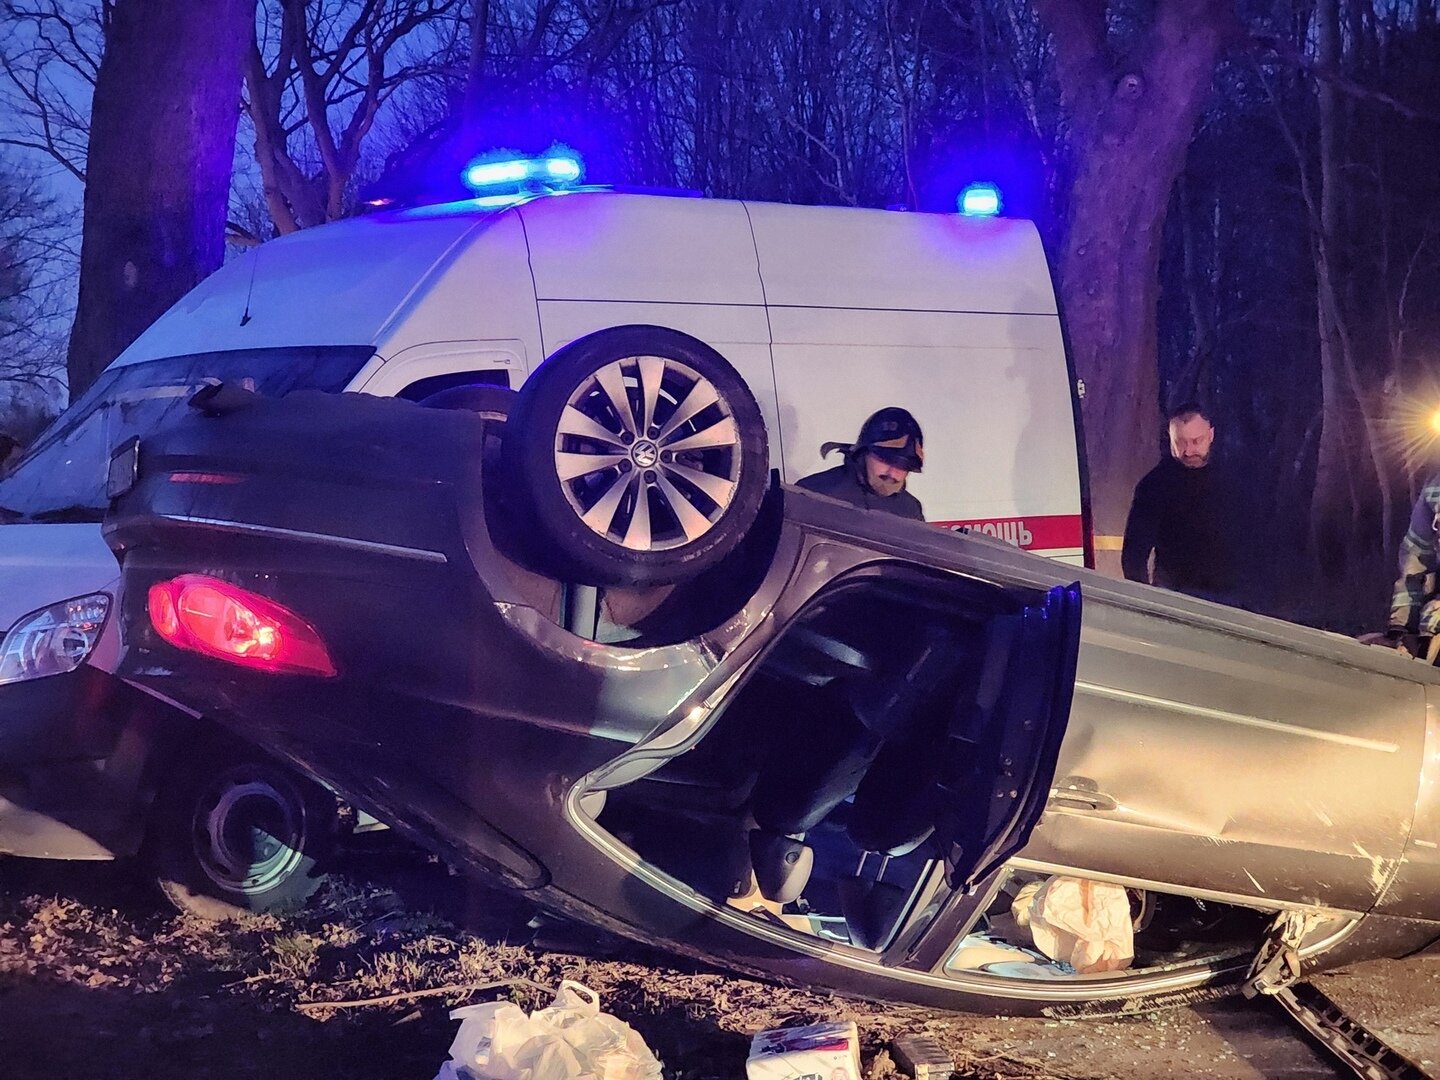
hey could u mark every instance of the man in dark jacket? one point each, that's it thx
(1184, 512)
(890, 447)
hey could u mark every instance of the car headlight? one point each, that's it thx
(53, 640)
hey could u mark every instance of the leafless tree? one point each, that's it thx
(316, 76)
(34, 241)
(1132, 101)
(48, 64)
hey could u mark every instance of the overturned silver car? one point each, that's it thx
(593, 652)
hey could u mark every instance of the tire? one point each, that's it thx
(619, 477)
(236, 833)
(489, 402)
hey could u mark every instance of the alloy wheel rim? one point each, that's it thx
(648, 453)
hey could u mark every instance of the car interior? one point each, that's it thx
(851, 777)
(815, 799)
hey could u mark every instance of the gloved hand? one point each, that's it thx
(1415, 645)
(1397, 638)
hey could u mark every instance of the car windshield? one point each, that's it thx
(62, 477)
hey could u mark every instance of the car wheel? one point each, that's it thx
(489, 402)
(239, 834)
(639, 456)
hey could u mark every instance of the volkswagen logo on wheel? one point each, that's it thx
(645, 454)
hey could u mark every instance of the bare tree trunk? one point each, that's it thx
(1345, 488)
(162, 143)
(1334, 481)
(903, 83)
(1201, 282)
(475, 69)
(1132, 121)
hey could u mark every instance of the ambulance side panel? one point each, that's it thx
(477, 313)
(951, 318)
(602, 260)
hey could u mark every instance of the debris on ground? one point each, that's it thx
(830, 1050)
(922, 1057)
(498, 1040)
(362, 983)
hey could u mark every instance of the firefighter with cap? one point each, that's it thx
(872, 476)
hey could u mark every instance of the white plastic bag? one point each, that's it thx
(570, 1040)
(1084, 923)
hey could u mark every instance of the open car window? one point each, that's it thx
(62, 477)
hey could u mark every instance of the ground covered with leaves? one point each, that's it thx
(97, 979)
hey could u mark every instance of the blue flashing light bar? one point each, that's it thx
(980, 200)
(488, 174)
(565, 170)
(518, 174)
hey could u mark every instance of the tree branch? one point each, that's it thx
(312, 88)
(1287, 53)
(270, 153)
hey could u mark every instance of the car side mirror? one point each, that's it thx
(217, 398)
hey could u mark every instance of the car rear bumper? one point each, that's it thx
(72, 754)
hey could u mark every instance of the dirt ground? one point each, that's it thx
(98, 980)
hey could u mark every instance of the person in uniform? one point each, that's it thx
(877, 465)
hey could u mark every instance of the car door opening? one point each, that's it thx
(888, 752)
(898, 728)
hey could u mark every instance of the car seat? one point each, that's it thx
(895, 805)
(865, 733)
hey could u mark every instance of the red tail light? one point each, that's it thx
(215, 618)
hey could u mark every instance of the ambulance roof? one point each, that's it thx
(355, 282)
(337, 284)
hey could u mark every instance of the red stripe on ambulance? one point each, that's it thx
(1038, 533)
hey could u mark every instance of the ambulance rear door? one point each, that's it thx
(952, 318)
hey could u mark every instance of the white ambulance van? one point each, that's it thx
(828, 313)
